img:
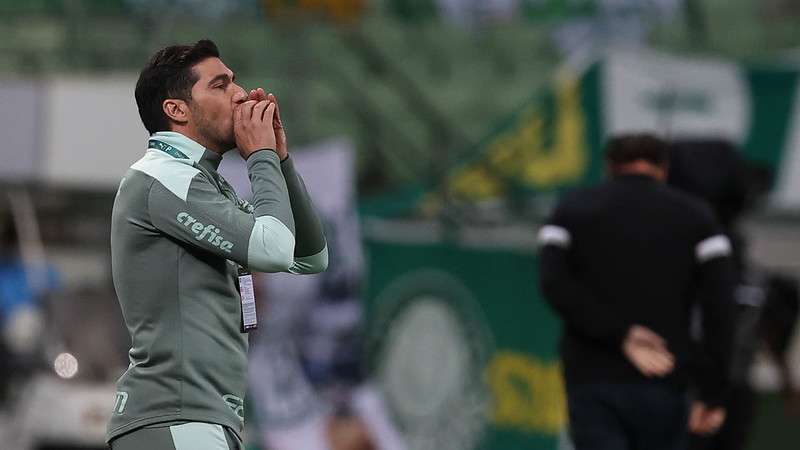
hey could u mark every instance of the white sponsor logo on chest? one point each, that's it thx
(202, 231)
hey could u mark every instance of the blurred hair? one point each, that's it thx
(169, 74)
(627, 148)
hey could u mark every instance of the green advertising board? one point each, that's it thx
(464, 346)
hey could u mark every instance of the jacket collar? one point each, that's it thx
(184, 149)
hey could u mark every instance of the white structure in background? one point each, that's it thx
(675, 97)
(93, 131)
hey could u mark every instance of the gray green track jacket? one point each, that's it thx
(178, 236)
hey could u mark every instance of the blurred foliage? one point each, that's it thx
(752, 30)
(412, 95)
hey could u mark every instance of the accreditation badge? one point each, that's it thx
(248, 296)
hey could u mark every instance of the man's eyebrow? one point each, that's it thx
(222, 77)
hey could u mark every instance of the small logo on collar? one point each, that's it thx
(166, 148)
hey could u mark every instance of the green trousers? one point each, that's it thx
(187, 436)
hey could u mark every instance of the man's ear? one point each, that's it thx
(177, 110)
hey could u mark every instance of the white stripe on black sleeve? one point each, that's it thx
(714, 247)
(554, 235)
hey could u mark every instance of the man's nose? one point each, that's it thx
(239, 96)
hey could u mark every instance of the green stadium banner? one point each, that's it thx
(463, 345)
(554, 140)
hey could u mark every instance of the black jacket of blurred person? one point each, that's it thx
(623, 263)
(715, 171)
(767, 304)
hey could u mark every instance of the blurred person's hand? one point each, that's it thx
(252, 126)
(348, 433)
(647, 351)
(705, 420)
(280, 135)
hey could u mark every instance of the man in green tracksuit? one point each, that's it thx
(182, 244)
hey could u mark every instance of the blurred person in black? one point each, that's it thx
(767, 303)
(623, 263)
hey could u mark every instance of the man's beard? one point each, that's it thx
(223, 143)
(221, 140)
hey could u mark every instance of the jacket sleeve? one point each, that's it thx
(715, 286)
(200, 216)
(563, 289)
(311, 249)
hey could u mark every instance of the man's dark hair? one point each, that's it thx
(627, 148)
(169, 74)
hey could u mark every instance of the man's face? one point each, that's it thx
(214, 97)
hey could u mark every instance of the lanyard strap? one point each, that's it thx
(166, 148)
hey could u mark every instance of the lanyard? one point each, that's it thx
(166, 148)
